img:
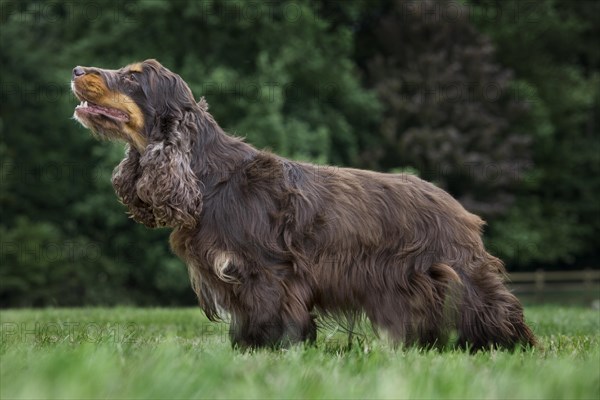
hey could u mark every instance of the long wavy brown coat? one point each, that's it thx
(270, 240)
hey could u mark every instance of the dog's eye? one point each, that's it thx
(130, 77)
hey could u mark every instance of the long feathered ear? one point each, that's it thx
(167, 182)
(169, 96)
(124, 180)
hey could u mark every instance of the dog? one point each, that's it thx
(271, 242)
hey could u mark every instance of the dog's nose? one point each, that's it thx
(78, 71)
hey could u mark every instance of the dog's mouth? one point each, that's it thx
(90, 109)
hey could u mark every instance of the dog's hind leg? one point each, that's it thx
(416, 312)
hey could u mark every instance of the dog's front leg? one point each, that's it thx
(253, 331)
(270, 314)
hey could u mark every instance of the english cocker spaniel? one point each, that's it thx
(270, 241)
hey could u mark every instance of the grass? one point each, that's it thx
(176, 353)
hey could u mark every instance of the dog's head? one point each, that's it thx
(152, 109)
(129, 102)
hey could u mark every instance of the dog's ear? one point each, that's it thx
(169, 97)
(124, 180)
(167, 182)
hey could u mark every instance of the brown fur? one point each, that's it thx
(269, 240)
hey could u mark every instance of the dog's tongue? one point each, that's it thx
(101, 110)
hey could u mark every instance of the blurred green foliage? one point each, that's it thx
(296, 77)
(552, 46)
(450, 110)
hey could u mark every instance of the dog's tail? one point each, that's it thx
(488, 314)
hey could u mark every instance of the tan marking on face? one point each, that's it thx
(135, 125)
(92, 87)
(137, 67)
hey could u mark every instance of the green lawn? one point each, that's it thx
(176, 353)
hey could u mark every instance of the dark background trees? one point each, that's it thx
(495, 101)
